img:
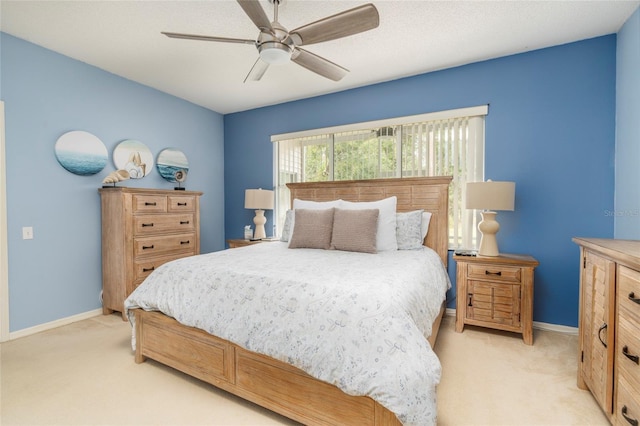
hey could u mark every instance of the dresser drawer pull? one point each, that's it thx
(602, 327)
(148, 269)
(184, 222)
(150, 204)
(499, 273)
(633, 422)
(147, 247)
(625, 352)
(182, 204)
(185, 242)
(633, 298)
(147, 224)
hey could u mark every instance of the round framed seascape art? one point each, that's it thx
(81, 153)
(134, 157)
(173, 165)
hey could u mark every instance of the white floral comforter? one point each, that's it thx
(354, 320)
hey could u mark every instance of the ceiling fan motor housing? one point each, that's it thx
(275, 48)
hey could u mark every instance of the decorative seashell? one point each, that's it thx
(180, 175)
(136, 168)
(117, 176)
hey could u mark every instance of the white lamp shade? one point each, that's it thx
(491, 195)
(258, 199)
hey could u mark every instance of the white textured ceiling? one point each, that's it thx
(414, 37)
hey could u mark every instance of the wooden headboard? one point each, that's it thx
(428, 193)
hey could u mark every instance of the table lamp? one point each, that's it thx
(490, 196)
(259, 200)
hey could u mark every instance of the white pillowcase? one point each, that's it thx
(386, 235)
(316, 205)
(424, 227)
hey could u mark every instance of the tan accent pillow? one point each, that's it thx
(355, 230)
(312, 229)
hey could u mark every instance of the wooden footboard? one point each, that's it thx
(265, 381)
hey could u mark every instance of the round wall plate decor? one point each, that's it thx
(134, 157)
(81, 153)
(173, 165)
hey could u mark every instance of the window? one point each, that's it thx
(448, 143)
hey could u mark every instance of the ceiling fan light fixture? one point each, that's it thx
(275, 53)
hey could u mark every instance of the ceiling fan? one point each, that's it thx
(276, 45)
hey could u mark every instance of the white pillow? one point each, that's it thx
(426, 218)
(316, 205)
(386, 235)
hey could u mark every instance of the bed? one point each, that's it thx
(308, 386)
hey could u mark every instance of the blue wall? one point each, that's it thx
(627, 204)
(550, 128)
(58, 273)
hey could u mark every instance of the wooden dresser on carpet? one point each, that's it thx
(141, 230)
(609, 340)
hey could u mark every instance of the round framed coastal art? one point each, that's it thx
(81, 153)
(134, 157)
(173, 165)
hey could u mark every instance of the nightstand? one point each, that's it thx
(496, 292)
(235, 243)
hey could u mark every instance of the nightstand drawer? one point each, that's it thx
(494, 273)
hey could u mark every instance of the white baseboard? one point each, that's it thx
(54, 324)
(536, 325)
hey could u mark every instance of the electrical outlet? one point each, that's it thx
(27, 233)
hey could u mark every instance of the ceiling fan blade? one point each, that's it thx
(349, 22)
(257, 71)
(256, 13)
(209, 38)
(318, 64)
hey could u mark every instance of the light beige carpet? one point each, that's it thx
(84, 374)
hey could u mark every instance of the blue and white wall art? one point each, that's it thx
(81, 153)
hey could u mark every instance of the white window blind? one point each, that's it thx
(450, 143)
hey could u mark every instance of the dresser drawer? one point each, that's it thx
(182, 203)
(627, 404)
(628, 349)
(494, 273)
(629, 292)
(149, 203)
(144, 267)
(154, 224)
(150, 246)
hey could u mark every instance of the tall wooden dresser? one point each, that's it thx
(141, 230)
(609, 340)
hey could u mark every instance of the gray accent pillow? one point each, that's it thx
(312, 229)
(286, 228)
(355, 230)
(409, 230)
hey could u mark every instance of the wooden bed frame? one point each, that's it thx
(273, 384)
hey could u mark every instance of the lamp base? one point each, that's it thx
(259, 220)
(488, 228)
